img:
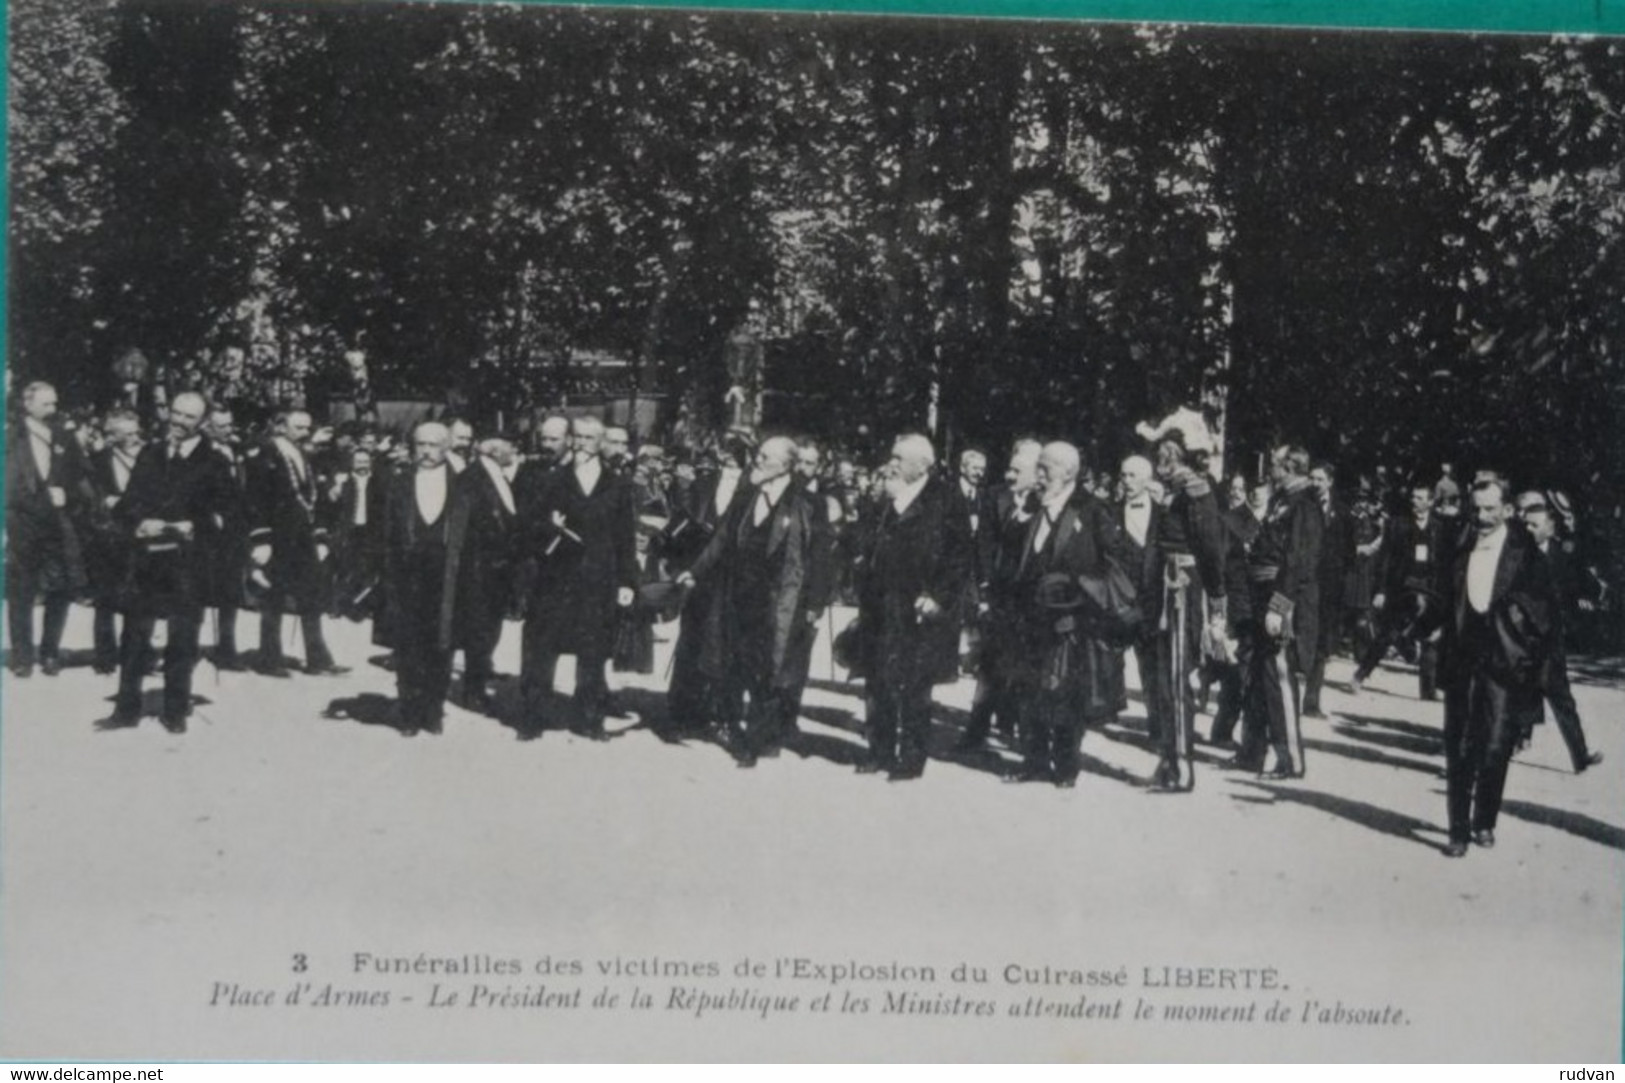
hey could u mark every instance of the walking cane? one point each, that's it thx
(1184, 770)
(829, 630)
(214, 659)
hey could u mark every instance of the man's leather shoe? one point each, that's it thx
(1278, 774)
(174, 723)
(970, 742)
(900, 774)
(1028, 774)
(408, 731)
(1455, 849)
(1484, 838)
(119, 721)
(50, 666)
(1314, 712)
(229, 663)
(1356, 685)
(1066, 783)
(1592, 759)
(746, 760)
(104, 668)
(1241, 763)
(272, 669)
(327, 669)
(868, 767)
(591, 734)
(22, 669)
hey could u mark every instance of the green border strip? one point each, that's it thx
(1505, 16)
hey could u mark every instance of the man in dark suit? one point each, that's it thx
(1140, 516)
(1283, 565)
(771, 559)
(581, 527)
(1189, 587)
(228, 557)
(48, 495)
(289, 544)
(173, 511)
(356, 526)
(998, 554)
(1243, 523)
(489, 564)
(693, 700)
(1413, 567)
(1063, 675)
(1536, 514)
(110, 470)
(1499, 619)
(914, 563)
(1336, 554)
(427, 529)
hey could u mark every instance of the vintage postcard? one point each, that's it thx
(550, 534)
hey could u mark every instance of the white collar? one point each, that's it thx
(40, 429)
(1054, 504)
(289, 448)
(1491, 542)
(908, 494)
(774, 488)
(186, 447)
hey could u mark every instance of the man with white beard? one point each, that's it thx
(770, 563)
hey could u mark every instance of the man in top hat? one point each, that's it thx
(913, 564)
(771, 557)
(288, 545)
(47, 496)
(1063, 673)
(1189, 588)
(580, 527)
(173, 512)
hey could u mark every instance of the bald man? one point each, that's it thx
(172, 512)
(770, 564)
(911, 573)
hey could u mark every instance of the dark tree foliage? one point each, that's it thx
(1393, 248)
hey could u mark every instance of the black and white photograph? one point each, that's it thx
(541, 533)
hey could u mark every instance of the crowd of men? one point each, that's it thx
(1049, 577)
